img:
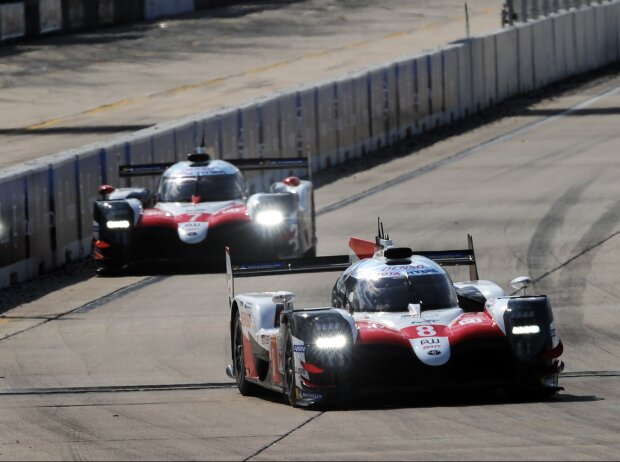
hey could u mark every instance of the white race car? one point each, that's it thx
(200, 206)
(397, 322)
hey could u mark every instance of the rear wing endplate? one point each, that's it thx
(280, 267)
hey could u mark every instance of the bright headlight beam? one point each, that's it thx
(523, 330)
(118, 224)
(269, 217)
(337, 341)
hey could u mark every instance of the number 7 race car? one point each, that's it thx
(202, 205)
(397, 322)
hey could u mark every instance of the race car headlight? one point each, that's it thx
(332, 342)
(525, 330)
(118, 224)
(269, 217)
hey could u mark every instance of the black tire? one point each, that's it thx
(109, 268)
(245, 387)
(289, 369)
(532, 392)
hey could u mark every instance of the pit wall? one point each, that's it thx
(34, 18)
(46, 205)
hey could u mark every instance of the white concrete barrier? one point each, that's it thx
(249, 127)
(64, 210)
(88, 178)
(269, 123)
(478, 76)
(38, 235)
(526, 58)
(450, 76)
(46, 207)
(436, 90)
(184, 139)
(12, 21)
(228, 121)
(490, 69)
(13, 246)
(544, 63)
(308, 127)
(158, 8)
(288, 106)
(326, 119)
(50, 16)
(561, 36)
(346, 119)
(581, 59)
(361, 117)
(466, 94)
(405, 84)
(378, 108)
(422, 92)
(507, 63)
(390, 114)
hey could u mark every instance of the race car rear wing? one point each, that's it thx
(263, 163)
(285, 266)
(362, 248)
(462, 257)
(459, 257)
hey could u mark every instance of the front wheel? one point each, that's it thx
(289, 369)
(109, 268)
(245, 387)
(535, 391)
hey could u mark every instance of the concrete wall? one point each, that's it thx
(32, 18)
(46, 206)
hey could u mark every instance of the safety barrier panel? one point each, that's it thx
(46, 205)
(33, 18)
(12, 20)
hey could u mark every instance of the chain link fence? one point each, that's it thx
(523, 10)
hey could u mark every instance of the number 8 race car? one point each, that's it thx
(201, 205)
(397, 322)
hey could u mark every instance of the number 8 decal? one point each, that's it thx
(426, 331)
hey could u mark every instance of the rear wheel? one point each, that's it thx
(289, 369)
(245, 387)
(109, 268)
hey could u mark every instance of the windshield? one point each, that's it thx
(431, 291)
(210, 188)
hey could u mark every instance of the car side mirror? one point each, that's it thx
(521, 283)
(284, 298)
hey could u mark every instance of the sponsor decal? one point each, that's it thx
(191, 171)
(246, 319)
(427, 341)
(426, 331)
(418, 321)
(433, 352)
(311, 395)
(299, 348)
(465, 321)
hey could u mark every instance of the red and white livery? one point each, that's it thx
(397, 322)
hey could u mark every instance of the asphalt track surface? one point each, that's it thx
(132, 368)
(64, 92)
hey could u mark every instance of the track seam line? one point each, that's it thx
(92, 304)
(277, 440)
